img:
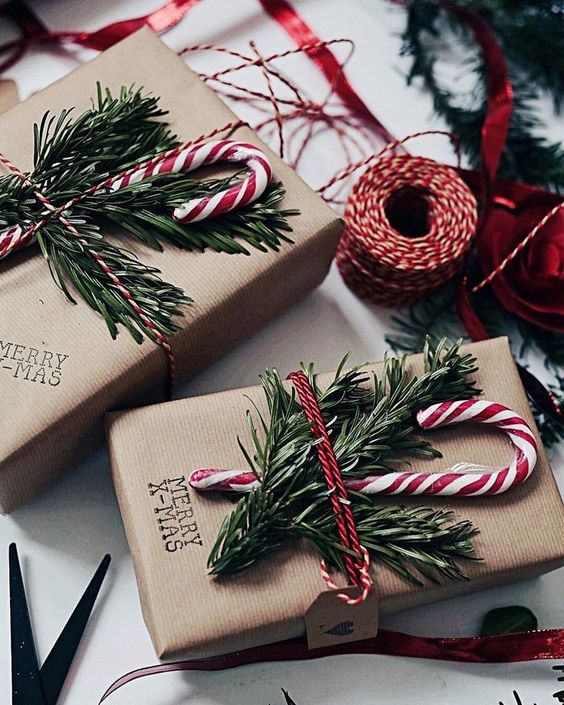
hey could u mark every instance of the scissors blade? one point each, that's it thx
(57, 664)
(26, 681)
(287, 698)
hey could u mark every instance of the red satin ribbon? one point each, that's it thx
(166, 17)
(506, 648)
(293, 24)
(497, 192)
(33, 32)
(500, 102)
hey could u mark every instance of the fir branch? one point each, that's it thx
(549, 342)
(531, 35)
(71, 263)
(144, 210)
(528, 156)
(552, 432)
(72, 154)
(434, 317)
(371, 428)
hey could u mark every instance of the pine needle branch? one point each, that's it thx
(73, 153)
(71, 263)
(371, 427)
(528, 156)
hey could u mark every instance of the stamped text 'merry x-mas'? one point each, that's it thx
(31, 364)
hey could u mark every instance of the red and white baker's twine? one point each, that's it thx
(358, 569)
(186, 158)
(466, 479)
(381, 264)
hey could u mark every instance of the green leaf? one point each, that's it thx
(508, 620)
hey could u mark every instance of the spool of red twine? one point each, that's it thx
(409, 222)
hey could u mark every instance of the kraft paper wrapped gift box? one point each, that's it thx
(48, 424)
(186, 611)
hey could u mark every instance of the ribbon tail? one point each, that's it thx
(505, 648)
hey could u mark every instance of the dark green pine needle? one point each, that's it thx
(72, 153)
(530, 35)
(372, 427)
(435, 317)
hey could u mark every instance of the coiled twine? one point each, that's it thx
(437, 214)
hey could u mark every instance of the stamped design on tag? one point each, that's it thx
(29, 364)
(342, 629)
(174, 514)
(330, 621)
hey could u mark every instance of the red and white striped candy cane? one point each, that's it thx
(469, 479)
(12, 239)
(186, 160)
(203, 154)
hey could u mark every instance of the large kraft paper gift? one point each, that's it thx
(153, 449)
(79, 371)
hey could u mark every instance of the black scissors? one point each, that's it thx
(30, 684)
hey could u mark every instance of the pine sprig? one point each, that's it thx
(372, 428)
(73, 153)
(528, 156)
(70, 262)
(144, 210)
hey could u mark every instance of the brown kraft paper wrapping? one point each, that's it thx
(153, 449)
(79, 371)
(8, 95)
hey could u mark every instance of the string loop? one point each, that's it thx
(357, 567)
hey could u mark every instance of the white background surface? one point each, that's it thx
(63, 534)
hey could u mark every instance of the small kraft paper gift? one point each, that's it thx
(168, 260)
(230, 500)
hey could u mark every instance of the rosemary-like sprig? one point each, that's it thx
(371, 428)
(72, 154)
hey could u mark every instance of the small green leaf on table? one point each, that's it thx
(508, 620)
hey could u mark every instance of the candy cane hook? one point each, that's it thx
(470, 479)
(237, 195)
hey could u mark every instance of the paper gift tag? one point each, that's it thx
(330, 621)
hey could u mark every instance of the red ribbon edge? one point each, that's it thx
(504, 648)
(33, 32)
(297, 29)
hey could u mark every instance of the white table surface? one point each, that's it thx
(63, 534)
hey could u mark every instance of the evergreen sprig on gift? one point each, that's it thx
(73, 153)
(372, 427)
